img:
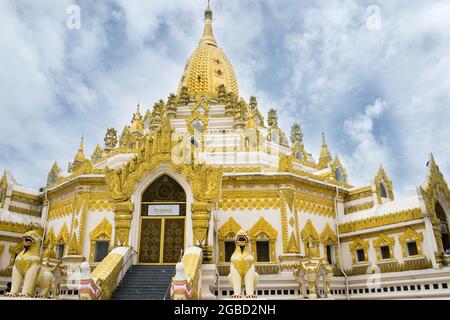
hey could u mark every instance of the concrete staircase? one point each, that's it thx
(145, 283)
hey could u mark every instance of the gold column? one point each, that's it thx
(122, 219)
(201, 213)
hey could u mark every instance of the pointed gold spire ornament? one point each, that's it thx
(208, 35)
(137, 124)
(79, 157)
(208, 68)
(325, 155)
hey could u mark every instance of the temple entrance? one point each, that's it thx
(162, 225)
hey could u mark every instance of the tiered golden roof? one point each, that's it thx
(208, 67)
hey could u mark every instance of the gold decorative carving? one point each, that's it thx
(284, 220)
(27, 211)
(311, 240)
(122, 219)
(103, 231)
(17, 227)
(229, 229)
(413, 264)
(285, 163)
(360, 193)
(373, 222)
(248, 200)
(309, 232)
(328, 235)
(358, 207)
(107, 272)
(201, 214)
(314, 204)
(205, 180)
(63, 235)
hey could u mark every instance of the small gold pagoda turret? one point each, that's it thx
(137, 124)
(79, 157)
(325, 155)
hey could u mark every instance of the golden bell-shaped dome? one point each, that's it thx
(208, 67)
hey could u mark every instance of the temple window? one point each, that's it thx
(263, 237)
(412, 248)
(198, 126)
(262, 251)
(384, 247)
(360, 255)
(338, 175)
(59, 250)
(359, 249)
(100, 238)
(194, 142)
(411, 243)
(330, 254)
(101, 250)
(329, 241)
(385, 252)
(299, 155)
(230, 246)
(51, 179)
(441, 215)
(384, 193)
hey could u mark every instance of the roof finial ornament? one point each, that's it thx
(80, 154)
(208, 36)
(324, 141)
(325, 154)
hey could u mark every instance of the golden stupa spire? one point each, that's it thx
(208, 36)
(325, 155)
(137, 125)
(79, 157)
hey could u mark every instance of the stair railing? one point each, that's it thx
(173, 275)
(124, 269)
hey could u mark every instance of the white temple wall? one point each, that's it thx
(5, 256)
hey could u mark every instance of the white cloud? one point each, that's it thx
(316, 61)
(368, 153)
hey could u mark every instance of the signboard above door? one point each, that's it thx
(163, 210)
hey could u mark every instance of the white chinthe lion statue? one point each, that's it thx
(242, 268)
(28, 270)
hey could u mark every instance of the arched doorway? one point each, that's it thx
(440, 213)
(162, 222)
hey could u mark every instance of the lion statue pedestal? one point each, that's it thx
(242, 268)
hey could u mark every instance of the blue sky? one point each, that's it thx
(381, 95)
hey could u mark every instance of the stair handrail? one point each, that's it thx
(173, 275)
(133, 252)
